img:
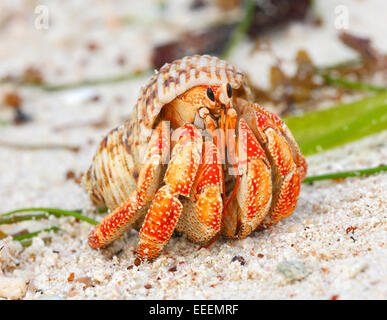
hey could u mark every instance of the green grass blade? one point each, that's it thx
(102, 210)
(346, 174)
(321, 130)
(16, 218)
(34, 234)
(353, 85)
(28, 242)
(55, 212)
(241, 29)
(341, 65)
(87, 82)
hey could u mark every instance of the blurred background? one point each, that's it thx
(280, 44)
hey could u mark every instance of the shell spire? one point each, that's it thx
(177, 77)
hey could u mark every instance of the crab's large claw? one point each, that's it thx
(253, 195)
(203, 213)
(295, 149)
(288, 164)
(166, 208)
(119, 220)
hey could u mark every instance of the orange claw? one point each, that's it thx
(253, 195)
(114, 224)
(204, 222)
(165, 210)
(296, 152)
(288, 166)
(118, 221)
(159, 224)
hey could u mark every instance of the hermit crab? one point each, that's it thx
(196, 157)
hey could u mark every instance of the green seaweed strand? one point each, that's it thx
(241, 29)
(346, 174)
(54, 211)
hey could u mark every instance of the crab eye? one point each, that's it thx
(229, 90)
(210, 94)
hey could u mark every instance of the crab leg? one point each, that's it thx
(296, 152)
(288, 170)
(202, 217)
(253, 194)
(166, 208)
(217, 134)
(119, 220)
(231, 119)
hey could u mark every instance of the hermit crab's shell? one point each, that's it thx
(179, 76)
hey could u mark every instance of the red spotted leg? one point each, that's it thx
(296, 152)
(288, 165)
(202, 217)
(119, 220)
(253, 194)
(166, 208)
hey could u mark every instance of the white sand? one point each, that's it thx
(311, 255)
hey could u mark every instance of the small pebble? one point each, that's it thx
(241, 260)
(292, 270)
